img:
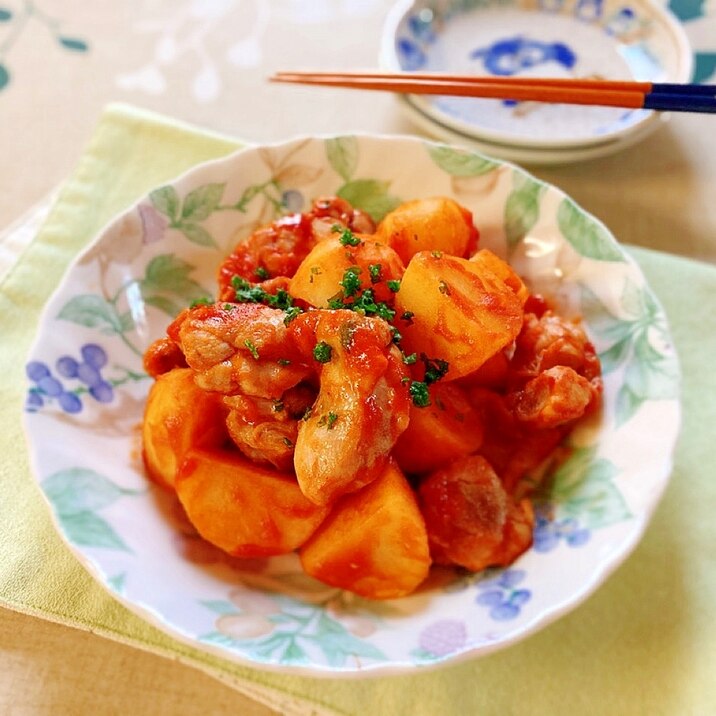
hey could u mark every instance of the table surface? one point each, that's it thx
(206, 62)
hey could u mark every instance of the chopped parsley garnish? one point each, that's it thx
(261, 273)
(437, 254)
(347, 237)
(322, 352)
(329, 420)
(283, 361)
(351, 282)
(252, 348)
(203, 301)
(307, 413)
(229, 306)
(287, 442)
(291, 313)
(407, 316)
(366, 304)
(278, 406)
(397, 335)
(336, 301)
(375, 271)
(444, 288)
(246, 293)
(363, 303)
(419, 394)
(435, 368)
(393, 285)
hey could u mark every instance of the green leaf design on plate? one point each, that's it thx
(165, 304)
(338, 644)
(649, 374)
(201, 202)
(117, 582)
(4, 77)
(587, 237)
(96, 312)
(421, 656)
(76, 495)
(166, 200)
(197, 235)
(298, 625)
(583, 487)
(90, 530)
(80, 490)
(460, 163)
(219, 606)
(522, 207)
(342, 154)
(168, 274)
(5, 14)
(371, 196)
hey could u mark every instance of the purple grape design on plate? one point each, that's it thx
(48, 387)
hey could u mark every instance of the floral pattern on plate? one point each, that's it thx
(162, 254)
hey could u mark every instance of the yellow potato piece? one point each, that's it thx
(448, 428)
(178, 416)
(491, 262)
(243, 508)
(434, 224)
(320, 274)
(463, 312)
(374, 541)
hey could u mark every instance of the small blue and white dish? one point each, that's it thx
(601, 39)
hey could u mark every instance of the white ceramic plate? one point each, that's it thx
(86, 390)
(611, 39)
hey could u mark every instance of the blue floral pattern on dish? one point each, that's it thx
(510, 55)
(501, 595)
(47, 387)
(548, 532)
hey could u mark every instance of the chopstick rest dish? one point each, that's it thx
(517, 39)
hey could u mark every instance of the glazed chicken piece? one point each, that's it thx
(471, 520)
(277, 250)
(362, 405)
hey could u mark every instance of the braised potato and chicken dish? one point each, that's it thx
(370, 396)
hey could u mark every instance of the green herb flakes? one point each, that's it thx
(347, 237)
(252, 348)
(322, 352)
(419, 394)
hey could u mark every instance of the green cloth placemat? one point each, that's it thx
(645, 643)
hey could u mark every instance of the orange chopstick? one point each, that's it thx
(617, 93)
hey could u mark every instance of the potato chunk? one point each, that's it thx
(247, 510)
(448, 428)
(178, 416)
(491, 262)
(322, 274)
(462, 312)
(435, 224)
(374, 541)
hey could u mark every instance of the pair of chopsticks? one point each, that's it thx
(669, 97)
